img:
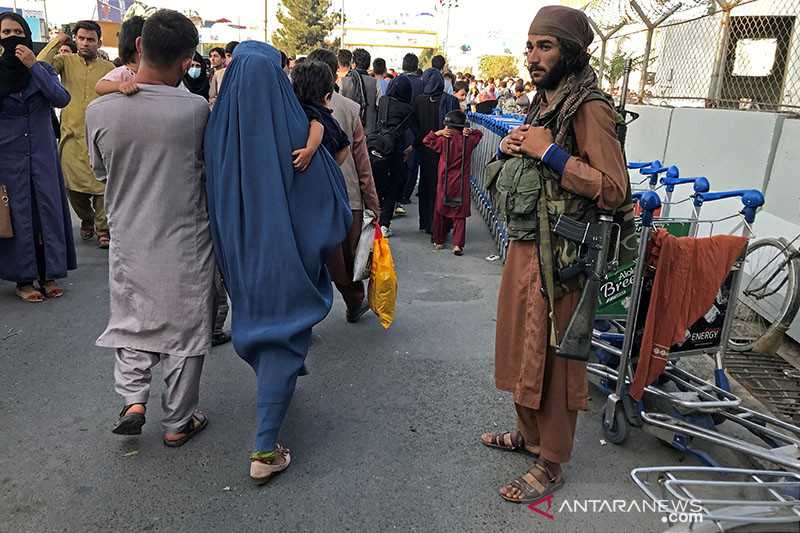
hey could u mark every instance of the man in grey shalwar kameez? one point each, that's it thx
(148, 149)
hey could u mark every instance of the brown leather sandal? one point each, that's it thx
(195, 425)
(28, 293)
(510, 441)
(264, 465)
(534, 484)
(51, 289)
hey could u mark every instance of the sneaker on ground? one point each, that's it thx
(400, 211)
(386, 231)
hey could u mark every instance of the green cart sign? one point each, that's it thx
(615, 293)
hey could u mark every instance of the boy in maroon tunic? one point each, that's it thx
(455, 144)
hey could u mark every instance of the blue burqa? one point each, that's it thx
(272, 227)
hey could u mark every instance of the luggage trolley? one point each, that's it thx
(697, 405)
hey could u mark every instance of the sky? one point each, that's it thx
(496, 29)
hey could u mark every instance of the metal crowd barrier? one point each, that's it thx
(494, 128)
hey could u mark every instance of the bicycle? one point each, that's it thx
(769, 296)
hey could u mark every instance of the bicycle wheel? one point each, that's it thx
(768, 296)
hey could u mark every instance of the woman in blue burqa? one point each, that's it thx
(272, 229)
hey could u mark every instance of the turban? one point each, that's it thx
(564, 23)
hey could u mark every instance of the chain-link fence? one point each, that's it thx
(702, 53)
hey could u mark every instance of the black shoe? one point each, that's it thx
(220, 338)
(129, 424)
(355, 316)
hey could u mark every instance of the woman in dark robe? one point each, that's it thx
(42, 248)
(196, 78)
(273, 228)
(429, 110)
(390, 173)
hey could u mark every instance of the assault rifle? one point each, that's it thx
(622, 127)
(594, 239)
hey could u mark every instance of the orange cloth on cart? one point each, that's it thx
(689, 273)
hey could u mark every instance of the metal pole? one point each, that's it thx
(447, 29)
(604, 38)
(341, 16)
(603, 43)
(266, 21)
(651, 26)
(46, 21)
(645, 62)
(715, 89)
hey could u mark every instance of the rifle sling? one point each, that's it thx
(546, 265)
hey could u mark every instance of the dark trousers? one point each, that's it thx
(429, 161)
(411, 181)
(390, 174)
(90, 208)
(442, 226)
(340, 265)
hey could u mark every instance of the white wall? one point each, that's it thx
(734, 150)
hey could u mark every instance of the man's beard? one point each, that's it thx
(552, 78)
(87, 54)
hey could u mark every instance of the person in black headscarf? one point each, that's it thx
(42, 249)
(429, 110)
(196, 78)
(395, 115)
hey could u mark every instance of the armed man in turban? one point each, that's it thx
(570, 154)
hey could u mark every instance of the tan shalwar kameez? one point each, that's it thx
(86, 194)
(549, 391)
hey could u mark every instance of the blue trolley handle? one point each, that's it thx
(649, 201)
(700, 183)
(752, 199)
(657, 168)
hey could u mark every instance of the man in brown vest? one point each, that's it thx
(571, 131)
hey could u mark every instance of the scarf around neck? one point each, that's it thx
(563, 106)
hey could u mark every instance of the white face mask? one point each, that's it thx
(194, 72)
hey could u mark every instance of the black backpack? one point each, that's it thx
(361, 94)
(382, 141)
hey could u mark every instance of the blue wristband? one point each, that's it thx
(556, 158)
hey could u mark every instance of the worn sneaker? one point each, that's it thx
(400, 211)
(386, 231)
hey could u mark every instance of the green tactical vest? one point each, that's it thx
(516, 185)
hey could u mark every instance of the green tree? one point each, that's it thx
(498, 66)
(426, 56)
(614, 67)
(305, 25)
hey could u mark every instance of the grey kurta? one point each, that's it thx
(148, 148)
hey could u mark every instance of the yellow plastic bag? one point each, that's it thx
(382, 292)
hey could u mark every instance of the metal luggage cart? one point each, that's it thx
(695, 406)
(762, 500)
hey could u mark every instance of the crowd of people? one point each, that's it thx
(247, 176)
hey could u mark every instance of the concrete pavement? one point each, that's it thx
(384, 431)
